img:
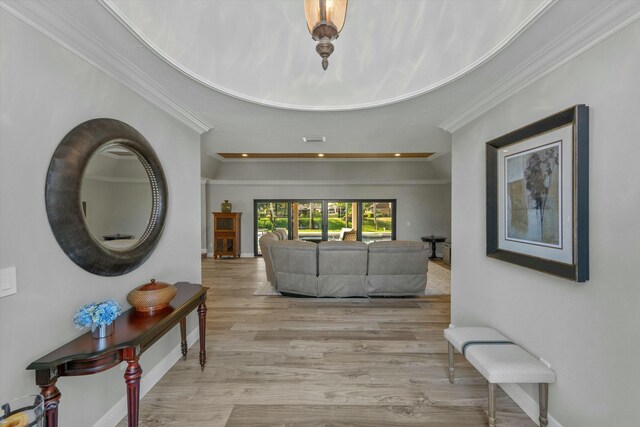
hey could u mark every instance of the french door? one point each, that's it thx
(269, 215)
(317, 220)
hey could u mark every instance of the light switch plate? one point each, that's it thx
(8, 284)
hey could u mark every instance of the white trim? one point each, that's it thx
(247, 255)
(103, 57)
(527, 403)
(329, 183)
(119, 410)
(209, 254)
(608, 19)
(129, 25)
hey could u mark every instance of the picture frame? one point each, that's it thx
(537, 180)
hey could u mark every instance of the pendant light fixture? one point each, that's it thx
(325, 19)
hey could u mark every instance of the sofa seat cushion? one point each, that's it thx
(342, 268)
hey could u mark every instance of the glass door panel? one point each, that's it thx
(269, 216)
(377, 222)
(307, 220)
(342, 217)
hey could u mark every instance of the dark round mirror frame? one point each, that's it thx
(64, 208)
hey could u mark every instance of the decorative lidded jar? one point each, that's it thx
(152, 296)
(225, 207)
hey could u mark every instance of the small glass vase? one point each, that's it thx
(101, 331)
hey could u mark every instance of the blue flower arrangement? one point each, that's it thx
(97, 313)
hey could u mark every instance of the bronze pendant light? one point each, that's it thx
(325, 19)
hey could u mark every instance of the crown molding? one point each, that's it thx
(601, 23)
(133, 29)
(48, 19)
(309, 183)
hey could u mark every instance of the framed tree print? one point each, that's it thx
(538, 195)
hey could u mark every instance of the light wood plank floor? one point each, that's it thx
(276, 360)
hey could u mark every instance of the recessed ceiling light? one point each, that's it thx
(320, 155)
(245, 155)
(397, 154)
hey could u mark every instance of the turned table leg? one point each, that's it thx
(202, 326)
(51, 396)
(132, 377)
(183, 338)
(46, 380)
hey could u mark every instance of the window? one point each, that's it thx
(269, 216)
(318, 220)
(377, 221)
(308, 220)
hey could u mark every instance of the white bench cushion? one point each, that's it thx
(459, 336)
(508, 364)
(499, 363)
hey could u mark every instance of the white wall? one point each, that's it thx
(44, 92)
(588, 332)
(421, 209)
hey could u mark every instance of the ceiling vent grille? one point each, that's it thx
(314, 138)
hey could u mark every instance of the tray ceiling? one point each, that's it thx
(462, 57)
(389, 51)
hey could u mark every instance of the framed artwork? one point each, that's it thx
(538, 195)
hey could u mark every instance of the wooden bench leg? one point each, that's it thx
(451, 366)
(492, 404)
(543, 397)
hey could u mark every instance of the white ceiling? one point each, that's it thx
(261, 50)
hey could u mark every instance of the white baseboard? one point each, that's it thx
(119, 410)
(209, 254)
(527, 403)
(247, 255)
(203, 250)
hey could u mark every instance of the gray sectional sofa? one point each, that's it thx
(341, 269)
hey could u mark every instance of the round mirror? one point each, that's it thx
(116, 197)
(106, 197)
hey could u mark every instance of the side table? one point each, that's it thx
(433, 240)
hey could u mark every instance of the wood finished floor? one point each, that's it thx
(276, 360)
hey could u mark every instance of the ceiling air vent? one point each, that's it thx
(314, 138)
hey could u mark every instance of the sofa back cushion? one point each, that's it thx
(295, 265)
(342, 268)
(282, 233)
(265, 242)
(397, 268)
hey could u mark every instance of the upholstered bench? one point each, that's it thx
(499, 360)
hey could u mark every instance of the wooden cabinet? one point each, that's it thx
(226, 234)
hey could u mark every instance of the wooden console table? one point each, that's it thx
(134, 333)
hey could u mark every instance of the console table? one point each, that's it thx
(134, 332)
